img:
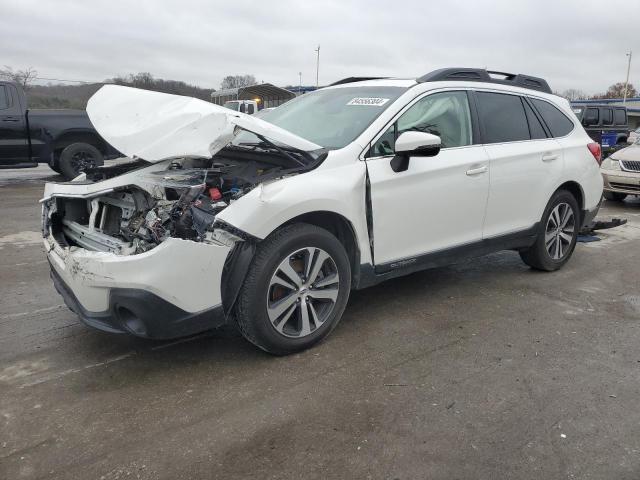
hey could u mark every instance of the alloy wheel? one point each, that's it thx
(303, 292)
(559, 231)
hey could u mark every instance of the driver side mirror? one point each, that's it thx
(414, 144)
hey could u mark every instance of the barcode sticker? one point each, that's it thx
(370, 101)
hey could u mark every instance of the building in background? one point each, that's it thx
(265, 95)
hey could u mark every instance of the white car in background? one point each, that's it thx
(634, 136)
(269, 223)
(621, 173)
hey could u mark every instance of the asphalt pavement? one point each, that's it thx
(481, 370)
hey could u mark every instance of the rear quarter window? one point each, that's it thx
(557, 122)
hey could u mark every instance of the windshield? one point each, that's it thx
(333, 117)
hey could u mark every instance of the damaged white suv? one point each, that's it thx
(222, 217)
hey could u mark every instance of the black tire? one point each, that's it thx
(251, 308)
(538, 256)
(614, 196)
(77, 157)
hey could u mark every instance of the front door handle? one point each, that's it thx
(10, 119)
(549, 157)
(477, 171)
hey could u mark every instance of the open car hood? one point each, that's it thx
(155, 126)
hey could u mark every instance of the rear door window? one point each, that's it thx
(620, 116)
(503, 117)
(607, 116)
(558, 123)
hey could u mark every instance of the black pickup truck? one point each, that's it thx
(64, 139)
(606, 124)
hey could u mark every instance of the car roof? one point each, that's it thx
(410, 82)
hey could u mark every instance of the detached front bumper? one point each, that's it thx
(170, 291)
(621, 181)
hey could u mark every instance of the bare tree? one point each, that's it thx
(22, 77)
(617, 91)
(237, 81)
(572, 94)
(147, 81)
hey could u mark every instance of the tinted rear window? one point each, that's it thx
(503, 117)
(620, 116)
(607, 116)
(557, 121)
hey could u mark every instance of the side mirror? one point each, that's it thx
(414, 144)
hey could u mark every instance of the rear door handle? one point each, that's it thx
(549, 157)
(477, 171)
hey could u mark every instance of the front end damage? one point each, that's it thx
(138, 248)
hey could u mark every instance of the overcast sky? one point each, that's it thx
(573, 44)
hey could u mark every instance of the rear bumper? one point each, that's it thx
(140, 313)
(589, 215)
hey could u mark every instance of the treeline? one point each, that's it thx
(76, 96)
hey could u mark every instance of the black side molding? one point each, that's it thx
(371, 275)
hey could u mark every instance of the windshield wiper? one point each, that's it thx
(272, 146)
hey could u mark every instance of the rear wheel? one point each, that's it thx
(557, 234)
(296, 289)
(615, 196)
(78, 157)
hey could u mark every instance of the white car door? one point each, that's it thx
(525, 164)
(438, 202)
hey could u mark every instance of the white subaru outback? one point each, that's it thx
(223, 217)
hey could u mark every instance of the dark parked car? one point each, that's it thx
(606, 124)
(64, 139)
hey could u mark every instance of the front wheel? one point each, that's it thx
(295, 291)
(557, 234)
(77, 158)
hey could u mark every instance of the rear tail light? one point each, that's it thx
(596, 151)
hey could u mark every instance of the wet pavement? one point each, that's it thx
(485, 369)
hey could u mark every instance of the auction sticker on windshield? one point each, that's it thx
(370, 101)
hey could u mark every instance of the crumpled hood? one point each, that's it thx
(155, 126)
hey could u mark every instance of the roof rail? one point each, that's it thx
(354, 79)
(488, 76)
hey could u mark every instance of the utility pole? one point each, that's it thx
(626, 83)
(317, 65)
(300, 88)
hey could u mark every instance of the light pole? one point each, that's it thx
(300, 88)
(626, 83)
(317, 65)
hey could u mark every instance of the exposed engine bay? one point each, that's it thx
(181, 201)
